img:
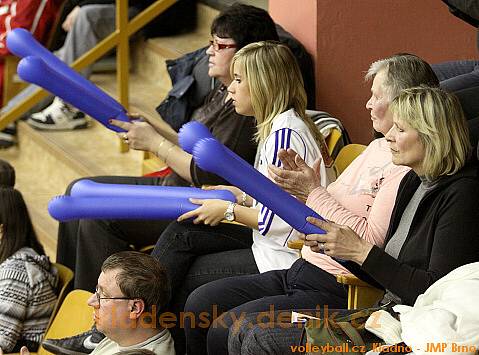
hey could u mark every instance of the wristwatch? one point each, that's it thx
(230, 212)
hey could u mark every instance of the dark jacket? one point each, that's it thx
(444, 235)
(191, 83)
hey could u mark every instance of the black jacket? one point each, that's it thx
(444, 235)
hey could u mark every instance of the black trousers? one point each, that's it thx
(217, 305)
(197, 254)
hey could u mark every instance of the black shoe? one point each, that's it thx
(83, 343)
(8, 136)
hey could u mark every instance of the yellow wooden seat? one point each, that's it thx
(74, 317)
(360, 293)
(332, 140)
(65, 277)
(346, 155)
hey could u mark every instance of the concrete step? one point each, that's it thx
(153, 52)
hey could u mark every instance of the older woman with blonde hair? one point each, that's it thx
(433, 228)
(362, 198)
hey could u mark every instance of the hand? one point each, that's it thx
(157, 122)
(211, 212)
(24, 351)
(296, 177)
(339, 241)
(140, 135)
(70, 19)
(235, 191)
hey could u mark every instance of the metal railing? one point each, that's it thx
(119, 39)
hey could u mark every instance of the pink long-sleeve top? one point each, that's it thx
(362, 198)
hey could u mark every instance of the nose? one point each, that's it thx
(231, 88)
(390, 135)
(210, 50)
(369, 104)
(93, 301)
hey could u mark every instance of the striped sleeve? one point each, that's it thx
(34, 15)
(281, 139)
(14, 295)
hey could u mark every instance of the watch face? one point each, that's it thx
(229, 216)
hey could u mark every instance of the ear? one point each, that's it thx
(137, 307)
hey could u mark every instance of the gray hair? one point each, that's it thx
(403, 71)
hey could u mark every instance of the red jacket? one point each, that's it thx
(37, 16)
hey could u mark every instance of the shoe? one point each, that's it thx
(83, 343)
(8, 136)
(59, 116)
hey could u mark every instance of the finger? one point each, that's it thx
(287, 159)
(324, 225)
(198, 220)
(214, 187)
(191, 214)
(125, 125)
(135, 117)
(310, 243)
(273, 172)
(317, 166)
(281, 174)
(197, 201)
(23, 351)
(300, 163)
(187, 215)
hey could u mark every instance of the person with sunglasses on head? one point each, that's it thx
(84, 244)
(233, 28)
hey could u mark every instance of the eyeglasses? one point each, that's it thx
(98, 297)
(219, 46)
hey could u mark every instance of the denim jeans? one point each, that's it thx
(303, 286)
(251, 336)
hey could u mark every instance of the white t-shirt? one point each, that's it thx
(270, 247)
(160, 344)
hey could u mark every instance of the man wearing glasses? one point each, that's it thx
(132, 290)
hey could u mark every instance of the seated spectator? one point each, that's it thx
(88, 23)
(362, 197)
(195, 255)
(232, 29)
(7, 174)
(132, 290)
(37, 17)
(433, 227)
(27, 279)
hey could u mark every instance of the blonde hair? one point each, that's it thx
(438, 118)
(275, 84)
